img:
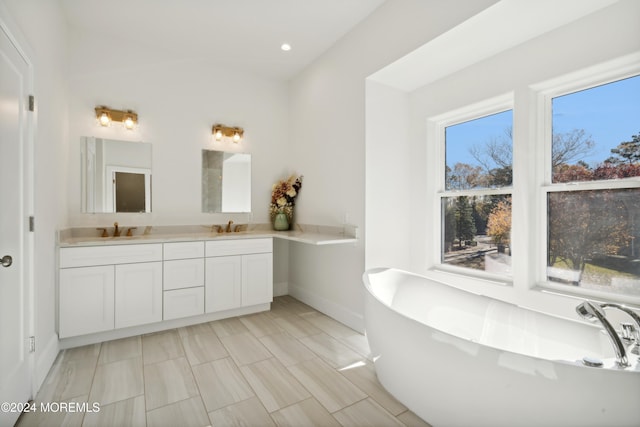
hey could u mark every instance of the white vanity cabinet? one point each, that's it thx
(183, 279)
(107, 287)
(238, 273)
(123, 289)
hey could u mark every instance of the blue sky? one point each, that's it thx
(461, 137)
(609, 113)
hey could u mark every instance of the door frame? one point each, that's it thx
(28, 190)
(110, 186)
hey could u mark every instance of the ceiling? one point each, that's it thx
(246, 34)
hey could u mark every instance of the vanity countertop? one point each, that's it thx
(303, 233)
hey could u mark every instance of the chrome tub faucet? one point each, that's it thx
(630, 333)
(594, 312)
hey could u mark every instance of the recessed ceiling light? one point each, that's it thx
(286, 47)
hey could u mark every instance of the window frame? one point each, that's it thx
(587, 78)
(436, 129)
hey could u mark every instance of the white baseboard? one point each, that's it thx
(280, 289)
(44, 361)
(338, 312)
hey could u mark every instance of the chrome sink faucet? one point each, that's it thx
(594, 312)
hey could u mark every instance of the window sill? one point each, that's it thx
(578, 293)
(449, 274)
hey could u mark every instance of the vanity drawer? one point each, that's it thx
(183, 273)
(113, 254)
(183, 303)
(238, 247)
(183, 250)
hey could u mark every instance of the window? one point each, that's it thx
(476, 198)
(593, 195)
(575, 185)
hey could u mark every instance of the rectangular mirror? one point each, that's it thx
(226, 182)
(115, 176)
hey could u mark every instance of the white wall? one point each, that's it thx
(327, 133)
(177, 103)
(567, 49)
(40, 29)
(388, 219)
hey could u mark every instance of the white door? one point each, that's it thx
(15, 361)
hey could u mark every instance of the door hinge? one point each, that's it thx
(32, 344)
(32, 223)
(32, 103)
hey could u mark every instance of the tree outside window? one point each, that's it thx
(593, 224)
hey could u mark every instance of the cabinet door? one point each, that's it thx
(86, 300)
(138, 294)
(223, 283)
(257, 279)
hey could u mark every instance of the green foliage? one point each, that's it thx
(626, 152)
(465, 227)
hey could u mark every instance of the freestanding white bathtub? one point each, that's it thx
(460, 359)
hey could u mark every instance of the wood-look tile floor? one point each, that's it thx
(291, 366)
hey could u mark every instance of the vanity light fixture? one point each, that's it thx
(106, 115)
(235, 133)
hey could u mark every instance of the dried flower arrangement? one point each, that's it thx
(283, 197)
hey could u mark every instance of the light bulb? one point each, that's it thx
(218, 134)
(128, 123)
(286, 47)
(105, 119)
(236, 136)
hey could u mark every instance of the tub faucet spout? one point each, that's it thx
(635, 331)
(594, 312)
